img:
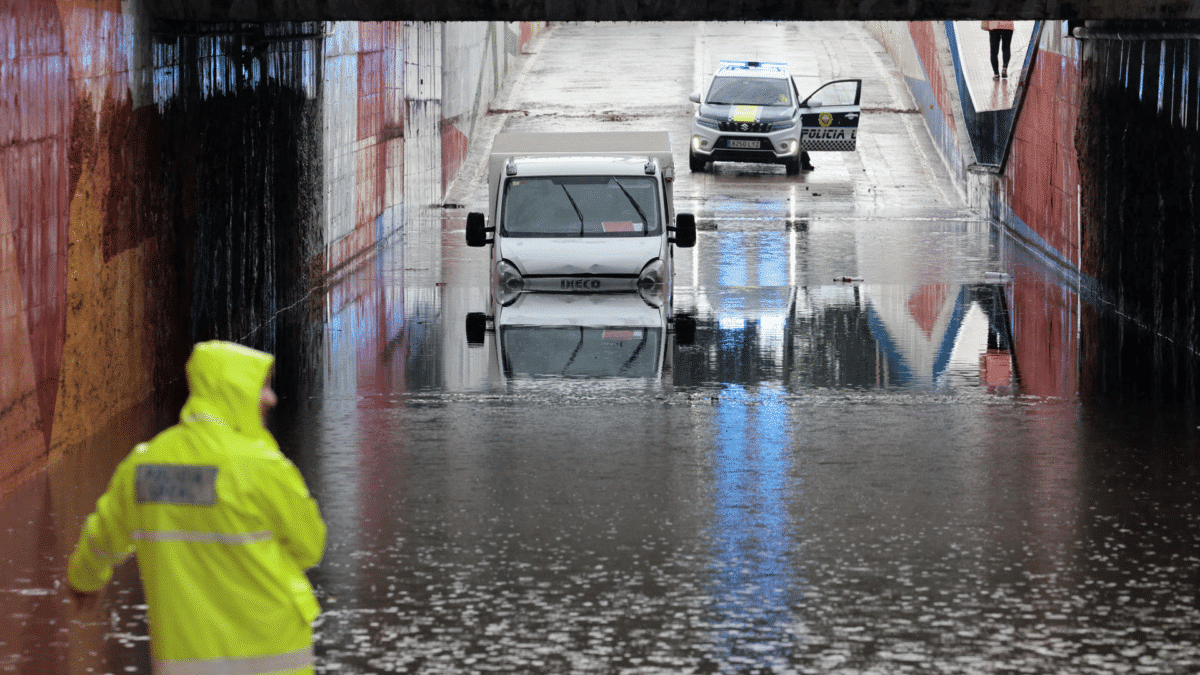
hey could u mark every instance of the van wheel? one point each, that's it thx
(696, 164)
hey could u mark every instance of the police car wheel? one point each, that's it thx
(792, 166)
(696, 164)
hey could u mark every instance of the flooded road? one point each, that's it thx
(860, 447)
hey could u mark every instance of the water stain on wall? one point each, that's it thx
(1139, 159)
(35, 105)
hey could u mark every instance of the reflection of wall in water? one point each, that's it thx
(831, 346)
(841, 337)
(1101, 175)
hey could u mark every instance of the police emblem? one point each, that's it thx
(825, 119)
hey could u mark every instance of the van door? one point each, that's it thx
(829, 117)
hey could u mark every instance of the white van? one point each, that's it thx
(587, 212)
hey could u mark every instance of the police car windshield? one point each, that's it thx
(749, 91)
(581, 206)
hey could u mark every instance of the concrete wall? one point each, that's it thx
(1030, 197)
(1100, 184)
(1138, 139)
(401, 104)
(131, 158)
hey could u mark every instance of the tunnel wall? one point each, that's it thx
(921, 52)
(161, 183)
(1100, 184)
(1139, 147)
(404, 100)
(1032, 196)
(1035, 199)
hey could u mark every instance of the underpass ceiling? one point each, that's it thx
(664, 10)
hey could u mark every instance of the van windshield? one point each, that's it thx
(576, 351)
(581, 206)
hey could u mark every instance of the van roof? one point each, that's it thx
(610, 143)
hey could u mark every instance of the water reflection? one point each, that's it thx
(757, 499)
(933, 337)
(577, 335)
(754, 583)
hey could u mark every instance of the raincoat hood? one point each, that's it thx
(225, 381)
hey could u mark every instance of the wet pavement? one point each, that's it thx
(861, 447)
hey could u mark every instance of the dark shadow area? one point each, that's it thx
(240, 178)
(1139, 160)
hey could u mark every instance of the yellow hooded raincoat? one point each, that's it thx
(223, 527)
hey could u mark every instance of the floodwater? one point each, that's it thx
(863, 444)
(823, 477)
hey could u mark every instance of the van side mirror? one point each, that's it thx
(477, 230)
(476, 325)
(685, 230)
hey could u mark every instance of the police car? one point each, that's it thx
(753, 112)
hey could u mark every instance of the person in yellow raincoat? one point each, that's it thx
(222, 525)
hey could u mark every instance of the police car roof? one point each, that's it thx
(754, 68)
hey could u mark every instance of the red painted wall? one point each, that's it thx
(36, 180)
(1035, 196)
(925, 39)
(82, 264)
(1042, 174)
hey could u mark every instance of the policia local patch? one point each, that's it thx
(177, 484)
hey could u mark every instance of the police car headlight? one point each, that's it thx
(706, 122)
(789, 147)
(780, 126)
(652, 274)
(508, 277)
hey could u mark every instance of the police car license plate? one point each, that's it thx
(734, 143)
(585, 284)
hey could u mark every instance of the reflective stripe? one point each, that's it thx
(205, 417)
(254, 665)
(209, 537)
(101, 553)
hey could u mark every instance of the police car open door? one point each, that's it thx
(829, 117)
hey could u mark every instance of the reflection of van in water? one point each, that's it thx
(592, 335)
(581, 212)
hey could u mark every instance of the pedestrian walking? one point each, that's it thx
(1000, 36)
(222, 525)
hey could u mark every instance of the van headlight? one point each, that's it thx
(652, 274)
(508, 283)
(508, 277)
